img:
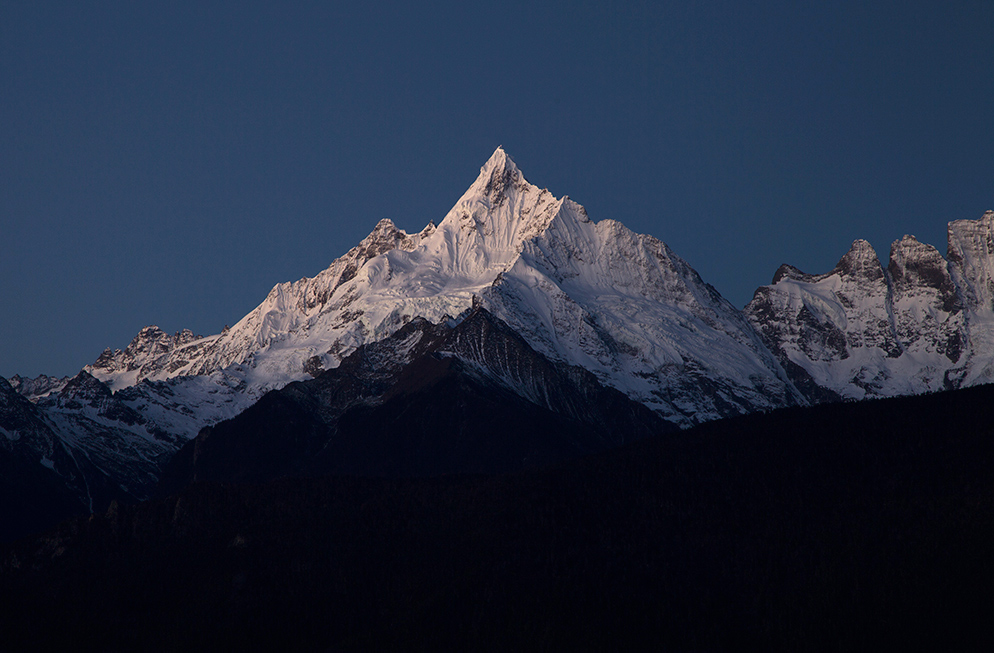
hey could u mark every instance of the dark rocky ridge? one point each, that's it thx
(74, 451)
(430, 399)
(37, 387)
(33, 461)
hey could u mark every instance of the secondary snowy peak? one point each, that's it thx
(828, 330)
(920, 325)
(144, 357)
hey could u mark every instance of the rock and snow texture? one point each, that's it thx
(920, 325)
(971, 265)
(71, 444)
(624, 306)
(591, 294)
(91, 442)
(38, 387)
(466, 395)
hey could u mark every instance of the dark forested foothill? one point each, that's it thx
(856, 526)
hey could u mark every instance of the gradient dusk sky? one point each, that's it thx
(169, 162)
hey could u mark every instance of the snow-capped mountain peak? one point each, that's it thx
(496, 175)
(585, 293)
(389, 277)
(486, 229)
(580, 294)
(914, 264)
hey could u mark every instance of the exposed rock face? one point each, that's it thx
(971, 260)
(923, 324)
(927, 310)
(139, 359)
(971, 265)
(38, 387)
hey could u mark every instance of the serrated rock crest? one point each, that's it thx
(923, 324)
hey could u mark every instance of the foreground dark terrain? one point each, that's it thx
(861, 526)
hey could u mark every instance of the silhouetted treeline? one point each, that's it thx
(862, 526)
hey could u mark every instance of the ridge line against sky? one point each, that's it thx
(170, 164)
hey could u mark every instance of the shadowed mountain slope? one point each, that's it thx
(462, 396)
(850, 526)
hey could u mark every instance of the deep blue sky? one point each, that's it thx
(168, 164)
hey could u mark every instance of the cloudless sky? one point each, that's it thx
(169, 162)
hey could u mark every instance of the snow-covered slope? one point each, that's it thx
(624, 306)
(288, 309)
(590, 294)
(861, 331)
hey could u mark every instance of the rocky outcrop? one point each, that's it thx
(38, 387)
(150, 354)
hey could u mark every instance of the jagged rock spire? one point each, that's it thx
(861, 260)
